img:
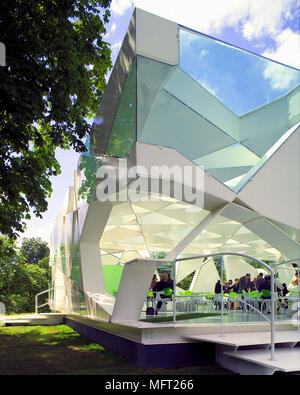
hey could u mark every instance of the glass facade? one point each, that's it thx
(240, 80)
(123, 133)
(224, 109)
(75, 273)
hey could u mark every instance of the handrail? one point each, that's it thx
(36, 299)
(222, 254)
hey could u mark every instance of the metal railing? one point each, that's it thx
(271, 321)
(44, 304)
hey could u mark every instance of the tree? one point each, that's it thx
(19, 281)
(52, 84)
(34, 249)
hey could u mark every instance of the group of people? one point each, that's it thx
(259, 283)
(241, 284)
(164, 282)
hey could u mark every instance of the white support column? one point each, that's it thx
(133, 289)
(92, 274)
(194, 233)
(91, 267)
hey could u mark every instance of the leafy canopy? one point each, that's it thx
(34, 249)
(53, 81)
(20, 278)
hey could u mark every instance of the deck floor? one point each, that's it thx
(232, 316)
(248, 338)
(286, 360)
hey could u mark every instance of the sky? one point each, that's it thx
(268, 28)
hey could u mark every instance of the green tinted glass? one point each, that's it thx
(123, 133)
(225, 109)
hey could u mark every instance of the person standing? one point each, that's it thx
(245, 283)
(260, 282)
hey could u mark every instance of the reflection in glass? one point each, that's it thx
(239, 79)
(223, 108)
(123, 133)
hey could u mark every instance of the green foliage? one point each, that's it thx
(53, 81)
(185, 283)
(19, 285)
(20, 281)
(8, 251)
(90, 165)
(34, 249)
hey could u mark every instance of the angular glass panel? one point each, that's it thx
(254, 100)
(164, 119)
(63, 258)
(241, 80)
(82, 303)
(75, 274)
(123, 133)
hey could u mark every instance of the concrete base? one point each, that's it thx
(33, 319)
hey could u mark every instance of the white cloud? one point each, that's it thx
(113, 27)
(116, 46)
(287, 52)
(256, 17)
(266, 17)
(288, 48)
(280, 78)
(119, 7)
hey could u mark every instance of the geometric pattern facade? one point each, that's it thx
(171, 93)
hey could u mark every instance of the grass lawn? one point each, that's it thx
(44, 350)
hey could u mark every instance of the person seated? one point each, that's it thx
(160, 286)
(284, 292)
(153, 282)
(295, 282)
(170, 281)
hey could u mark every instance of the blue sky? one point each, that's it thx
(266, 27)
